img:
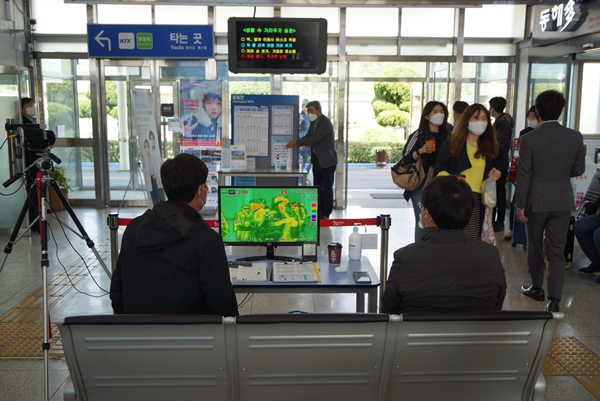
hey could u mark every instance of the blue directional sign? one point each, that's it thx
(150, 41)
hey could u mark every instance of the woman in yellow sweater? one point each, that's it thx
(471, 152)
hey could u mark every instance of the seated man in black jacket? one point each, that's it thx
(171, 261)
(446, 271)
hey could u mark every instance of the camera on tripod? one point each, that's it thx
(32, 138)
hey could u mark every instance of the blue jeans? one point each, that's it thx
(587, 231)
(415, 198)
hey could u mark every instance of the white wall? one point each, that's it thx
(10, 56)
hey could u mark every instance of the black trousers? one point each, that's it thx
(500, 209)
(323, 178)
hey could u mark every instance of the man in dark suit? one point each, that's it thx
(323, 155)
(548, 157)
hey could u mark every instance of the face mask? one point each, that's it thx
(421, 222)
(478, 127)
(312, 117)
(532, 123)
(30, 111)
(437, 119)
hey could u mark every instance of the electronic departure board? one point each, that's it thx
(277, 45)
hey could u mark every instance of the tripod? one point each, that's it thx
(39, 193)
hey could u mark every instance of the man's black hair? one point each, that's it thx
(460, 106)
(498, 103)
(314, 104)
(549, 105)
(26, 100)
(181, 177)
(449, 201)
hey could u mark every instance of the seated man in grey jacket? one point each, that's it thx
(446, 271)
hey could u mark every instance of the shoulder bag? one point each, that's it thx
(406, 174)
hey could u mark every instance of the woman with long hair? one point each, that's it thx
(472, 152)
(433, 126)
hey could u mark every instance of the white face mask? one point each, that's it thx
(312, 117)
(30, 111)
(478, 127)
(532, 123)
(437, 119)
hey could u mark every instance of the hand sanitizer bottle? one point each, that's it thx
(355, 244)
(301, 162)
(277, 164)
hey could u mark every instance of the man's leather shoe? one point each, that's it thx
(552, 306)
(535, 293)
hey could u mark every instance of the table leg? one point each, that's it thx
(360, 303)
(373, 300)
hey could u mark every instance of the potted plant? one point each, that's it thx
(380, 152)
(58, 174)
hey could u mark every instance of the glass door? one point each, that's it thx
(123, 151)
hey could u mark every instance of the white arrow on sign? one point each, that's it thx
(99, 39)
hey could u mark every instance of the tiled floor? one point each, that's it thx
(22, 380)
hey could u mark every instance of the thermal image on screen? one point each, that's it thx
(269, 215)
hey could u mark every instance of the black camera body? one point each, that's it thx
(32, 136)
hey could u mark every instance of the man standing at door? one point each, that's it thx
(548, 157)
(503, 123)
(321, 139)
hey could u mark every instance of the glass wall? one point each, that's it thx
(67, 112)
(589, 113)
(411, 50)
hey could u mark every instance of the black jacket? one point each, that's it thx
(445, 272)
(504, 133)
(416, 141)
(456, 166)
(172, 262)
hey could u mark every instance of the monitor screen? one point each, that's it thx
(277, 45)
(269, 215)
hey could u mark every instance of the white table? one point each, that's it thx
(331, 282)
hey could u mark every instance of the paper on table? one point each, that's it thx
(252, 273)
(303, 272)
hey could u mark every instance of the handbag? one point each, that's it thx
(487, 230)
(407, 174)
(488, 192)
(512, 170)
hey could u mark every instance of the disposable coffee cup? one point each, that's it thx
(431, 142)
(334, 250)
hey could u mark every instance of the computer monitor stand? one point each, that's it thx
(271, 256)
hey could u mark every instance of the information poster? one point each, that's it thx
(283, 123)
(201, 128)
(238, 157)
(252, 129)
(145, 124)
(278, 149)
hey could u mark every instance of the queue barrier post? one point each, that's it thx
(113, 226)
(384, 221)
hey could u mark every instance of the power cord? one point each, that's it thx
(78, 254)
(246, 299)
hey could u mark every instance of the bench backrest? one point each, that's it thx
(146, 357)
(492, 356)
(468, 357)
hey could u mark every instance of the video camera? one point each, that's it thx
(31, 136)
